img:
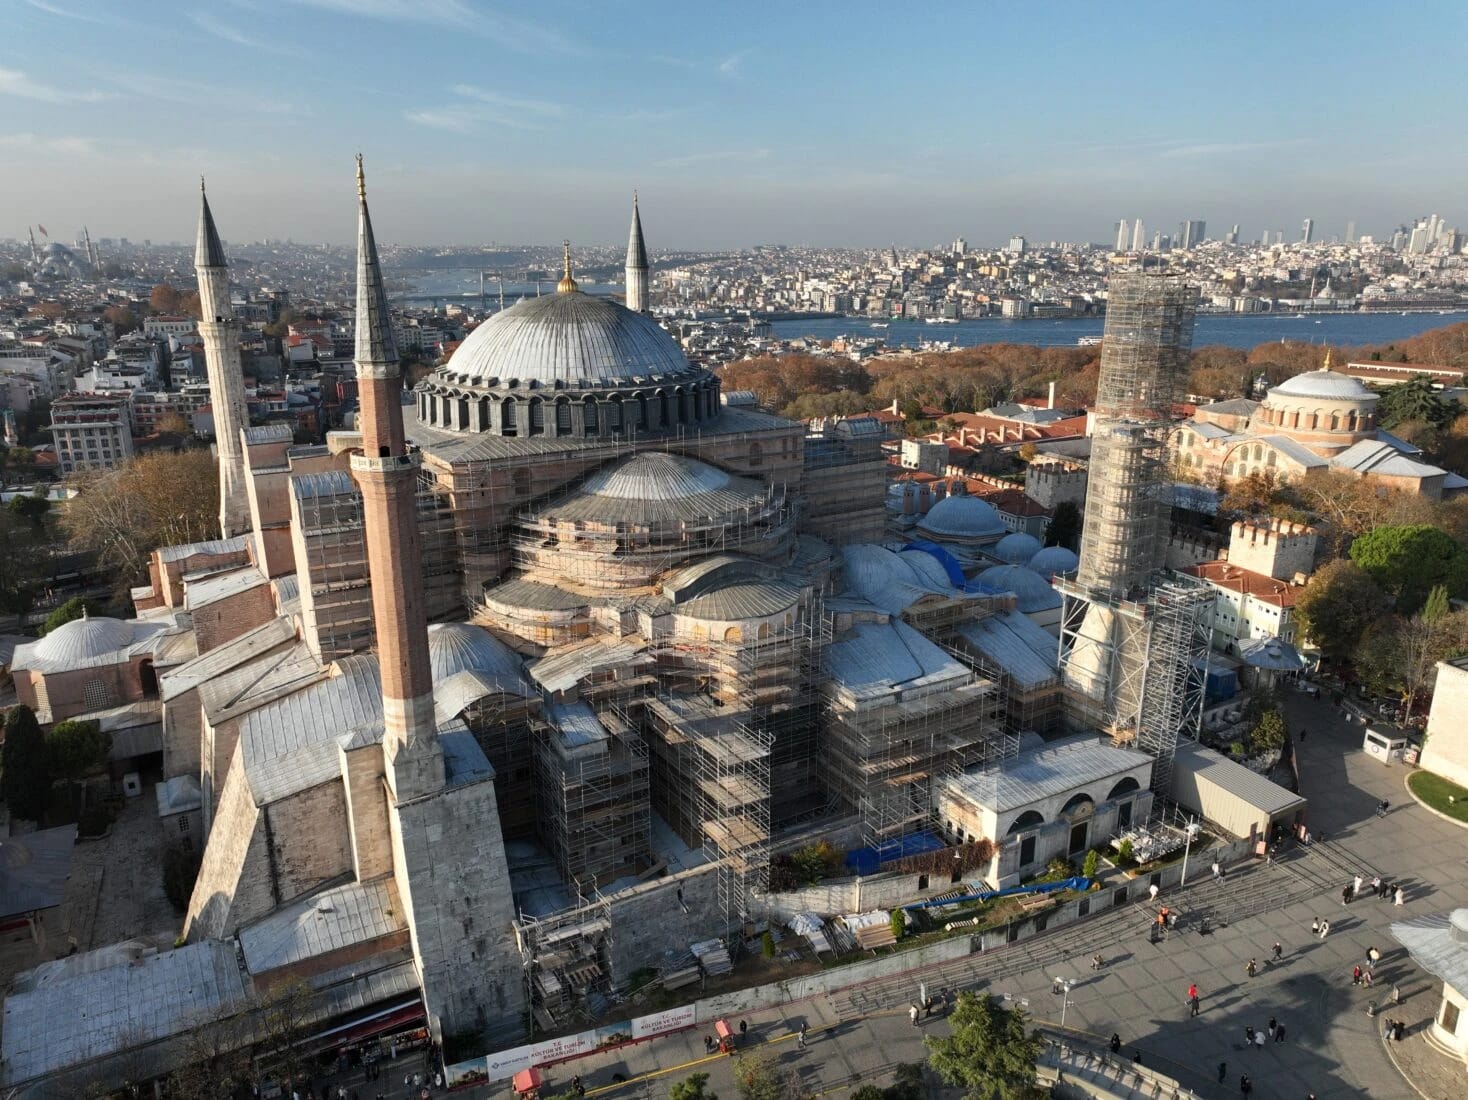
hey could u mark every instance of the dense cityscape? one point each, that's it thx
(524, 670)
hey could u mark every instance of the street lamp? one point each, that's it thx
(1192, 830)
(1061, 987)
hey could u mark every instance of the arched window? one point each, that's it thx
(665, 406)
(734, 634)
(1078, 804)
(563, 416)
(756, 454)
(1124, 786)
(537, 416)
(764, 630)
(683, 414)
(507, 416)
(614, 413)
(1027, 820)
(485, 414)
(589, 408)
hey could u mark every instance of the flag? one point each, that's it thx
(42, 228)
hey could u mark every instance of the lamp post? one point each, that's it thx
(1192, 830)
(1061, 988)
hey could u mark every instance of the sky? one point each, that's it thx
(814, 122)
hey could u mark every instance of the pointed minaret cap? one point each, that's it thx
(567, 285)
(375, 340)
(636, 250)
(210, 252)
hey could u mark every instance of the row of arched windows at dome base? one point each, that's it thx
(517, 415)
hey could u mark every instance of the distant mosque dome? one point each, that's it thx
(1033, 593)
(1016, 548)
(1054, 560)
(963, 516)
(1326, 385)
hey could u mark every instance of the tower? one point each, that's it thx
(443, 839)
(636, 263)
(221, 335)
(1307, 230)
(1129, 632)
(1139, 236)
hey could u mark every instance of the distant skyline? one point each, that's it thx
(821, 123)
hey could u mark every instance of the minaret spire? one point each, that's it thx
(567, 285)
(387, 474)
(221, 336)
(636, 263)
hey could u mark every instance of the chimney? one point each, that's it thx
(1050, 402)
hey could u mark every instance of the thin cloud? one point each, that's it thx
(173, 90)
(464, 118)
(229, 33)
(691, 159)
(69, 146)
(16, 83)
(731, 65)
(1199, 150)
(508, 31)
(509, 103)
(63, 13)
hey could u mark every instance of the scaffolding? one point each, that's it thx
(1175, 671)
(501, 724)
(567, 965)
(593, 780)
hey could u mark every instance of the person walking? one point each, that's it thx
(1277, 950)
(1367, 977)
(1273, 1023)
(1324, 929)
(1258, 1040)
(1315, 927)
(1356, 886)
(1249, 1035)
(800, 1036)
(1373, 956)
(1222, 1071)
(1400, 898)
(1217, 871)
(743, 1028)
(1152, 891)
(1396, 994)
(1252, 968)
(1279, 1034)
(1346, 894)
(1097, 962)
(1245, 1085)
(1356, 976)
(912, 1013)
(1115, 1043)
(1376, 885)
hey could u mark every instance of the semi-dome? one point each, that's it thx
(1053, 560)
(1016, 548)
(461, 647)
(1325, 385)
(567, 340)
(82, 643)
(658, 489)
(1032, 592)
(963, 516)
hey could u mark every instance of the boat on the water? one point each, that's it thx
(1088, 341)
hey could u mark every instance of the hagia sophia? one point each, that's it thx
(671, 634)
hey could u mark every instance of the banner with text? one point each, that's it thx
(506, 1063)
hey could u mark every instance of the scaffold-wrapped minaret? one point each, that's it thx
(1130, 632)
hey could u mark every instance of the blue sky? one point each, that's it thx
(809, 122)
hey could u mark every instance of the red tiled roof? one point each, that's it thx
(1246, 582)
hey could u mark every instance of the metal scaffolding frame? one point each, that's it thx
(567, 965)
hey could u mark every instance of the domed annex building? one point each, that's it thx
(1319, 420)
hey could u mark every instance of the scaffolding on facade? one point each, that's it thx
(1172, 694)
(567, 964)
(593, 781)
(501, 724)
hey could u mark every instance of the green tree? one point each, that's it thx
(72, 609)
(75, 747)
(758, 1078)
(1414, 399)
(32, 508)
(989, 1053)
(692, 1087)
(24, 559)
(907, 1083)
(1337, 605)
(1399, 655)
(1065, 526)
(1268, 734)
(1408, 560)
(24, 778)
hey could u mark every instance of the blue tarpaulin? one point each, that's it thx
(865, 861)
(945, 559)
(1077, 883)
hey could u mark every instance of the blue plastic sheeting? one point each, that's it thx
(865, 861)
(945, 559)
(1077, 883)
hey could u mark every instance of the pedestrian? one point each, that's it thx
(1096, 962)
(927, 1007)
(1376, 885)
(1391, 888)
(1324, 929)
(1137, 1057)
(1315, 927)
(1222, 1071)
(1273, 1023)
(1386, 1030)
(800, 1039)
(1258, 1040)
(1248, 1035)
(1152, 891)
(1373, 956)
(743, 1028)
(1115, 1043)
(1278, 951)
(1346, 894)
(1400, 898)
(1217, 870)
(1279, 1034)
(1356, 886)
(1382, 807)
(1396, 994)
(1192, 999)
(1252, 968)
(708, 1044)
(1397, 1029)
(1366, 977)
(1245, 1085)
(912, 1013)
(576, 1086)
(1356, 976)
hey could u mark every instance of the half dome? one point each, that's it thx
(566, 340)
(1033, 593)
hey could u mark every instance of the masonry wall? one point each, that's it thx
(310, 841)
(183, 730)
(225, 886)
(1445, 751)
(226, 619)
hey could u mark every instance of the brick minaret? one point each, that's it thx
(388, 477)
(221, 334)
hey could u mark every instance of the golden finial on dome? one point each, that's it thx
(567, 285)
(361, 181)
(1327, 359)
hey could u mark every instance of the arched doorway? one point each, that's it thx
(1079, 810)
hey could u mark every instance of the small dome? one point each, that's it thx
(569, 338)
(963, 516)
(1033, 592)
(1325, 385)
(84, 639)
(1054, 559)
(1016, 548)
(460, 647)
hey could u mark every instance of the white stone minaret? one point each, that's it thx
(221, 336)
(636, 264)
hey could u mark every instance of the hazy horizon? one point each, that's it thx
(843, 126)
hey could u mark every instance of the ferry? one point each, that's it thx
(1088, 341)
(941, 320)
(880, 324)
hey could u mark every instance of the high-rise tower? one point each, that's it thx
(221, 335)
(1139, 236)
(636, 264)
(1123, 235)
(1129, 631)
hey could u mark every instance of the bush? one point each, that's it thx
(25, 780)
(180, 869)
(767, 945)
(1088, 869)
(73, 608)
(1125, 851)
(1268, 734)
(898, 921)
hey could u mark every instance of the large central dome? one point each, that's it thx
(567, 340)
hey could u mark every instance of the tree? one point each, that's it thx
(758, 1078)
(1414, 399)
(989, 1053)
(24, 559)
(122, 319)
(1255, 494)
(217, 1061)
(72, 609)
(164, 299)
(159, 499)
(1268, 734)
(1399, 655)
(1408, 560)
(285, 1016)
(1337, 605)
(692, 1088)
(32, 507)
(1065, 526)
(24, 779)
(75, 747)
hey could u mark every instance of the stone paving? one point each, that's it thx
(1332, 1047)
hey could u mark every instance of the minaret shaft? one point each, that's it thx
(636, 273)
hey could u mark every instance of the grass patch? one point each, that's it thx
(1434, 790)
